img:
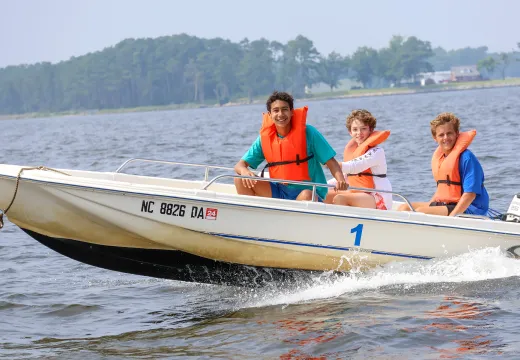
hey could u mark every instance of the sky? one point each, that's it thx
(32, 31)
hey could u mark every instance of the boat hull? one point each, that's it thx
(175, 229)
(171, 264)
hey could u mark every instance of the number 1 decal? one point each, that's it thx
(358, 230)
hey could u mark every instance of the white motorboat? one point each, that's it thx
(202, 231)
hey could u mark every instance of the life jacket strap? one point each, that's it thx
(298, 161)
(368, 174)
(449, 182)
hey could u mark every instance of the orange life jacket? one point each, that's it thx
(352, 150)
(446, 169)
(286, 157)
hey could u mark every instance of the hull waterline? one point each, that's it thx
(171, 264)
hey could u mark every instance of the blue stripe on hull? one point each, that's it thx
(247, 238)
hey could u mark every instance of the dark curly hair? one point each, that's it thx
(283, 96)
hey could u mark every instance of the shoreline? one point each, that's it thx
(490, 84)
(416, 91)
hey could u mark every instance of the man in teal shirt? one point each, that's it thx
(280, 106)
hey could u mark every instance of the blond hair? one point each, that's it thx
(444, 118)
(361, 115)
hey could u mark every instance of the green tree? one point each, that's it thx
(365, 62)
(389, 64)
(226, 59)
(332, 68)
(488, 64)
(404, 58)
(283, 79)
(256, 68)
(302, 64)
(194, 74)
(443, 60)
(504, 61)
(414, 57)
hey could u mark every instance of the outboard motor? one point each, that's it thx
(513, 213)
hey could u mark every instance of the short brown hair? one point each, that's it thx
(444, 118)
(361, 115)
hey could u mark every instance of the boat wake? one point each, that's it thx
(477, 265)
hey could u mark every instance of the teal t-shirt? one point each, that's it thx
(316, 144)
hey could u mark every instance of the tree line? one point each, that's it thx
(186, 69)
(501, 62)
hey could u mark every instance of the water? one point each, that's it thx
(459, 307)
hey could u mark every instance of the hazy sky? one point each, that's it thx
(54, 30)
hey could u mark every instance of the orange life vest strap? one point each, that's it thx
(448, 182)
(277, 163)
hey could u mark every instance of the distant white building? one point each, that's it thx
(438, 77)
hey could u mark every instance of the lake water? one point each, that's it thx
(460, 307)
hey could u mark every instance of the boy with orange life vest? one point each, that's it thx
(364, 165)
(457, 172)
(293, 151)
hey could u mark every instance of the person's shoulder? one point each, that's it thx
(374, 149)
(312, 133)
(468, 155)
(311, 129)
(256, 145)
(318, 144)
(469, 160)
(377, 150)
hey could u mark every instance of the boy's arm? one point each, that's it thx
(471, 179)
(335, 170)
(465, 200)
(252, 158)
(372, 157)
